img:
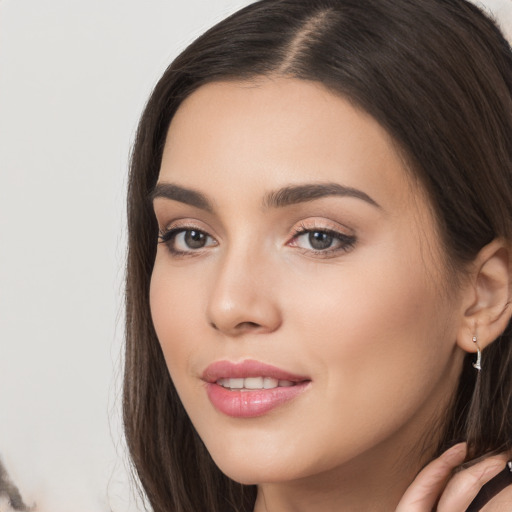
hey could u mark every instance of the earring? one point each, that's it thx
(478, 364)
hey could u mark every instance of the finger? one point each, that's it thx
(424, 492)
(462, 489)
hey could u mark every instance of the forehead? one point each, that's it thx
(268, 133)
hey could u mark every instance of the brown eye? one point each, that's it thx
(320, 240)
(194, 239)
(181, 240)
(323, 242)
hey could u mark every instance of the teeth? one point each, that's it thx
(236, 383)
(269, 383)
(254, 383)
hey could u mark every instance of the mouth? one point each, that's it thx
(252, 383)
(249, 389)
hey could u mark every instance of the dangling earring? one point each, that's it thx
(478, 364)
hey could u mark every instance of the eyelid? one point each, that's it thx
(168, 234)
(318, 224)
(183, 224)
(347, 240)
(187, 223)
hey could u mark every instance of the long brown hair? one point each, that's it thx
(437, 75)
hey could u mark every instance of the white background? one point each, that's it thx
(74, 76)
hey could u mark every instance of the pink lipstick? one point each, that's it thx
(250, 388)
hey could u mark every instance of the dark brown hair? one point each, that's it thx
(437, 75)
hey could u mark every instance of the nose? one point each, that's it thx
(244, 297)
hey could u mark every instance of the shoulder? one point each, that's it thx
(502, 502)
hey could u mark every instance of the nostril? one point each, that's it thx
(247, 325)
(242, 326)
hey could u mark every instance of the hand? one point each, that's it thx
(436, 485)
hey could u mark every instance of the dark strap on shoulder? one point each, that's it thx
(492, 488)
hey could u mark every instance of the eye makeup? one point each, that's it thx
(186, 240)
(314, 239)
(322, 242)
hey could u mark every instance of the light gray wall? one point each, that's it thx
(74, 76)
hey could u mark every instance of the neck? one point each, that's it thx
(370, 484)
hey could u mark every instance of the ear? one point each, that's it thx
(487, 308)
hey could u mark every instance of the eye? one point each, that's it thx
(319, 240)
(186, 240)
(322, 241)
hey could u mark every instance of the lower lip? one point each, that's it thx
(249, 404)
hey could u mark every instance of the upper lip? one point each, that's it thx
(247, 368)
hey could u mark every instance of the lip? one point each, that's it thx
(251, 403)
(247, 368)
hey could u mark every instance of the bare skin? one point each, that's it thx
(345, 286)
(436, 488)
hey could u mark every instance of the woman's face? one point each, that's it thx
(300, 262)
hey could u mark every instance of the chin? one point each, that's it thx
(248, 470)
(246, 475)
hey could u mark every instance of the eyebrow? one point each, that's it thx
(309, 192)
(182, 195)
(286, 196)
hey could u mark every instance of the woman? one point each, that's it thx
(318, 278)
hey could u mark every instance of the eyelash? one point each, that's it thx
(168, 238)
(347, 242)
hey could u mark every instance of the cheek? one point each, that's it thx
(376, 329)
(365, 303)
(174, 305)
